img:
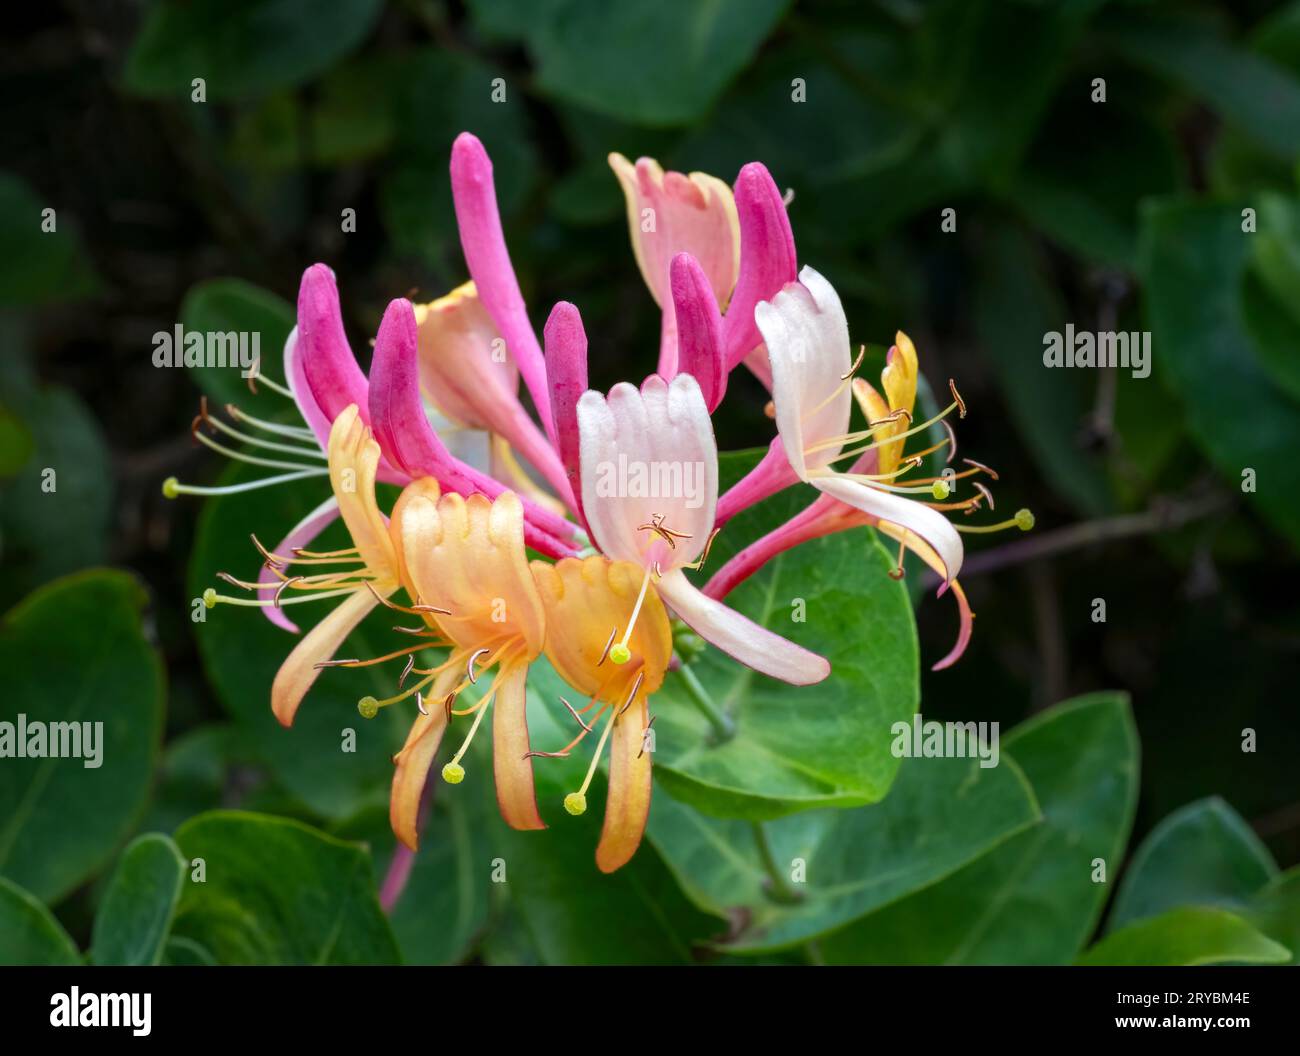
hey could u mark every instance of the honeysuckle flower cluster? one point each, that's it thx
(516, 537)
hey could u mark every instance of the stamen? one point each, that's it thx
(285, 586)
(897, 571)
(648, 725)
(172, 487)
(272, 560)
(697, 565)
(419, 699)
(863, 434)
(211, 598)
(218, 424)
(271, 384)
(961, 404)
(981, 466)
(453, 773)
(401, 679)
(862, 352)
(410, 610)
(640, 677)
(952, 440)
(469, 666)
(252, 460)
(605, 652)
(577, 718)
(1024, 520)
(984, 491)
(278, 428)
(656, 525)
(621, 654)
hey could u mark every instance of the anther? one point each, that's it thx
(988, 495)
(961, 404)
(981, 466)
(419, 701)
(604, 653)
(284, 586)
(469, 666)
(952, 440)
(410, 663)
(577, 718)
(862, 351)
(640, 677)
(272, 560)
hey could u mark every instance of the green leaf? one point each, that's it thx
(279, 892)
(939, 815)
(187, 951)
(29, 934)
(1275, 910)
(242, 50)
(233, 306)
(75, 653)
(651, 64)
(136, 912)
(1187, 936)
(1262, 98)
(444, 907)
(54, 264)
(1203, 854)
(1031, 900)
(1194, 258)
(241, 652)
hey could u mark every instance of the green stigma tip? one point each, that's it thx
(210, 597)
(575, 803)
(453, 773)
(620, 654)
(940, 490)
(171, 488)
(1024, 520)
(368, 706)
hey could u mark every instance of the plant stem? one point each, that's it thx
(778, 887)
(723, 728)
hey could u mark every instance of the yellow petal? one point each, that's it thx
(353, 463)
(628, 804)
(513, 769)
(299, 671)
(586, 599)
(899, 375)
(468, 556)
(414, 760)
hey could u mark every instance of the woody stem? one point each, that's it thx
(723, 727)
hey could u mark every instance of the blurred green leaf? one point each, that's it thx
(939, 815)
(1192, 935)
(233, 306)
(1031, 900)
(1203, 854)
(75, 653)
(653, 64)
(241, 651)
(136, 912)
(40, 266)
(279, 892)
(1256, 94)
(802, 747)
(244, 48)
(56, 510)
(29, 934)
(187, 951)
(1276, 911)
(1016, 307)
(1193, 259)
(1271, 291)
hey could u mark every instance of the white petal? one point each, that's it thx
(739, 637)
(916, 517)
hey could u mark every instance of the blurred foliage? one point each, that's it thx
(1170, 204)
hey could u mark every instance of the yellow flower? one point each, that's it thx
(584, 600)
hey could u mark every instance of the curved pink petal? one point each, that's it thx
(740, 637)
(566, 375)
(648, 455)
(773, 473)
(488, 260)
(295, 374)
(699, 329)
(403, 431)
(299, 535)
(330, 368)
(767, 258)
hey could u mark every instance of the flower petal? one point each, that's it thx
(330, 368)
(353, 462)
(699, 329)
(767, 261)
(299, 535)
(414, 760)
(739, 637)
(807, 341)
(927, 554)
(465, 373)
(299, 670)
(627, 805)
(670, 213)
(566, 374)
(930, 526)
(404, 433)
(513, 767)
(488, 260)
(295, 375)
(647, 454)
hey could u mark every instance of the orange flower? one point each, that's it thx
(584, 599)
